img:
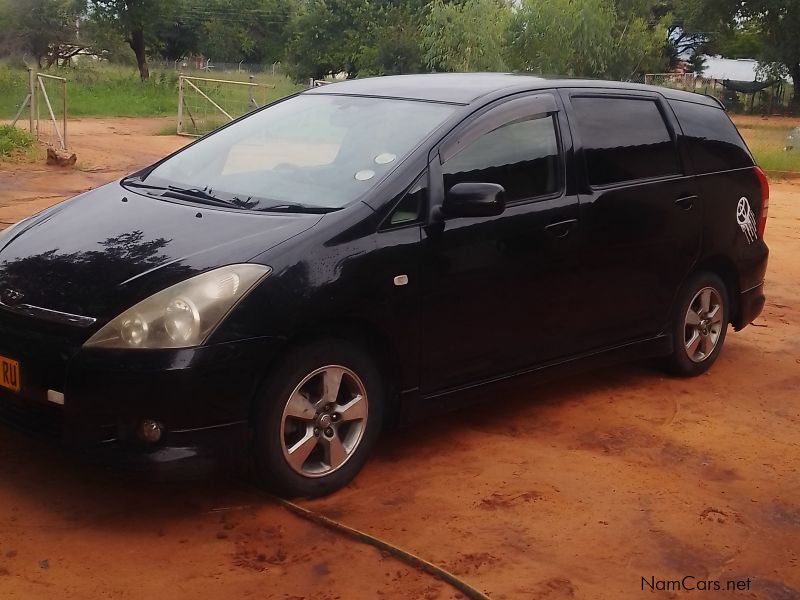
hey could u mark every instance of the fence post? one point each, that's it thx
(180, 104)
(64, 126)
(32, 90)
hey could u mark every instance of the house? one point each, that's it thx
(737, 69)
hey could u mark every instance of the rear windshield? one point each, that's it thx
(711, 137)
(316, 150)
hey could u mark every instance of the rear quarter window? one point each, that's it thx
(713, 142)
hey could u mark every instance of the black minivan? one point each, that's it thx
(360, 253)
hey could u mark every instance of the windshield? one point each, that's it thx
(311, 151)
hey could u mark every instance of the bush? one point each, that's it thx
(14, 141)
(13, 89)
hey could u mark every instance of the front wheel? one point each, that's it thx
(700, 324)
(318, 419)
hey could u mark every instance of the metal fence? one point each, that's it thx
(775, 99)
(205, 67)
(774, 141)
(205, 104)
(315, 83)
(46, 101)
(684, 81)
(772, 135)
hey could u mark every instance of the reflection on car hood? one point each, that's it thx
(105, 250)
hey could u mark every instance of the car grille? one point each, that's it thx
(42, 349)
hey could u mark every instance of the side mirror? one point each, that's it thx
(474, 200)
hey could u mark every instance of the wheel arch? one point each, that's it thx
(724, 267)
(363, 334)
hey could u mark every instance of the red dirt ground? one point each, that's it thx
(577, 489)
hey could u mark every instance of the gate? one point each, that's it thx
(206, 104)
(47, 109)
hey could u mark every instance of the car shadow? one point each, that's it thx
(500, 405)
(42, 475)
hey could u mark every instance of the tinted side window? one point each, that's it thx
(521, 156)
(411, 207)
(624, 140)
(714, 144)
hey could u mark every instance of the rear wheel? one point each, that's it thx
(318, 419)
(700, 324)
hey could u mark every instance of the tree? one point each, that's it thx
(179, 35)
(587, 38)
(45, 29)
(696, 64)
(391, 42)
(736, 40)
(238, 30)
(466, 36)
(778, 22)
(327, 38)
(136, 20)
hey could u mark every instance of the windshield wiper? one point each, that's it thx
(174, 191)
(140, 184)
(203, 196)
(297, 208)
(207, 197)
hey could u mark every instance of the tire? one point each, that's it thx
(699, 325)
(311, 437)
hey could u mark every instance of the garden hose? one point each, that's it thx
(410, 559)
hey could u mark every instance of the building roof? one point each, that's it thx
(738, 69)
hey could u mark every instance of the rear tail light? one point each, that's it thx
(762, 216)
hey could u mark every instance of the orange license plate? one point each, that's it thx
(9, 374)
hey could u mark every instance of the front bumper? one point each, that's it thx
(202, 397)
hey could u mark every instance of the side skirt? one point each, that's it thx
(415, 406)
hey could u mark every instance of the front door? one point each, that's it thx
(499, 292)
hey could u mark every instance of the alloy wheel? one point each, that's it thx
(323, 421)
(703, 324)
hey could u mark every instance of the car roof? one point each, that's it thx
(466, 88)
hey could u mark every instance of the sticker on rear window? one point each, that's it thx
(746, 220)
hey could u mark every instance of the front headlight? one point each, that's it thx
(183, 315)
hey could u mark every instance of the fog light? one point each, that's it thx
(150, 431)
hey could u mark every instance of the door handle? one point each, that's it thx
(562, 228)
(685, 203)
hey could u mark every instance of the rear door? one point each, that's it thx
(725, 175)
(499, 292)
(639, 212)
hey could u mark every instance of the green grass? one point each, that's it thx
(16, 143)
(116, 91)
(166, 129)
(778, 161)
(766, 139)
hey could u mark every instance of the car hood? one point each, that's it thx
(101, 252)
